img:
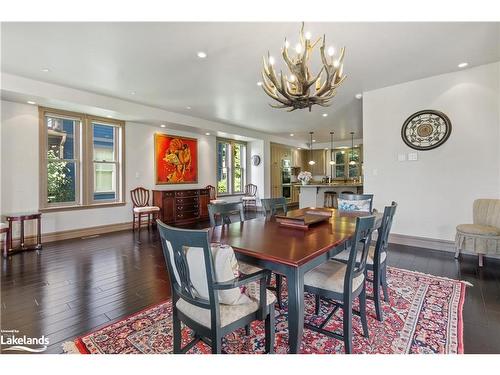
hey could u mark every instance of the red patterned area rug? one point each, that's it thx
(424, 316)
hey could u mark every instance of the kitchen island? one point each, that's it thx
(313, 195)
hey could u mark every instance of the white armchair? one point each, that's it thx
(483, 236)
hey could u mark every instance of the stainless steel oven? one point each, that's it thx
(286, 191)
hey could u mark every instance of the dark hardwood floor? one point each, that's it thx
(72, 287)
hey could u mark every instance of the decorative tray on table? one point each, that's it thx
(304, 217)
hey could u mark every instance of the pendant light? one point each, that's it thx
(311, 161)
(332, 160)
(352, 162)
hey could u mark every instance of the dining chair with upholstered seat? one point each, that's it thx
(355, 202)
(342, 283)
(377, 259)
(250, 197)
(213, 195)
(140, 202)
(235, 210)
(271, 205)
(208, 299)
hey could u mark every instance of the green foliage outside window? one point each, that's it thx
(59, 181)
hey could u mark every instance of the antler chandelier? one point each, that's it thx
(301, 89)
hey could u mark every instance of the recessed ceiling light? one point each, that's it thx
(326, 148)
(188, 107)
(358, 96)
(291, 134)
(109, 116)
(201, 55)
(463, 65)
(325, 115)
(132, 92)
(45, 70)
(314, 140)
(299, 148)
(207, 133)
(260, 83)
(31, 102)
(163, 126)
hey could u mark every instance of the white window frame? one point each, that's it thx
(230, 166)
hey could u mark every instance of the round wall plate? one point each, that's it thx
(255, 160)
(426, 130)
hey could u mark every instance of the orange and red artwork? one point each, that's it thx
(176, 159)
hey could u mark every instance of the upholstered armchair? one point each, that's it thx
(483, 236)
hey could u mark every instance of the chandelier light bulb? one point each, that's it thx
(336, 64)
(298, 48)
(271, 60)
(287, 43)
(308, 35)
(292, 78)
(331, 51)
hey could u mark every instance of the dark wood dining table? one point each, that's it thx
(291, 252)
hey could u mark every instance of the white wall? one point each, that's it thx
(436, 192)
(20, 162)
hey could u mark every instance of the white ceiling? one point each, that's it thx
(158, 62)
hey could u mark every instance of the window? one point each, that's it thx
(231, 162)
(343, 169)
(81, 160)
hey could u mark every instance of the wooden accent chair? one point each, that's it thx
(377, 259)
(207, 317)
(250, 197)
(356, 197)
(213, 195)
(343, 282)
(140, 201)
(483, 236)
(271, 205)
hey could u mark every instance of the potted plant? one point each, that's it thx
(304, 177)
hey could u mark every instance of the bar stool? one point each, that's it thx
(330, 200)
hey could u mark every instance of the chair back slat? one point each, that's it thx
(360, 241)
(358, 197)
(384, 231)
(212, 191)
(175, 242)
(225, 210)
(140, 197)
(250, 190)
(272, 204)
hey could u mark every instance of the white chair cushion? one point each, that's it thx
(226, 269)
(330, 276)
(228, 313)
(483, 230)
(217, 201)
(248, 198)
(248, 269)
(146, 209)
(344, 255)
(354, 205)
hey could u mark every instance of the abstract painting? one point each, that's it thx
(176, 159)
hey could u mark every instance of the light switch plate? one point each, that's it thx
(401, 157)
(413, 156)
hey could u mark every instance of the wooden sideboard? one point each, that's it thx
(182, 206)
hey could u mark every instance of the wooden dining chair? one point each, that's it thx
(271, 205)
(207, 317)
(235, 210)
(213, 195)
(377, 259)
(342, 283)
(355, 197)
(250, 197)
(4, 229)
(140, 202)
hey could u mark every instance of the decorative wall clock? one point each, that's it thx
(256, 160)
(426, 130)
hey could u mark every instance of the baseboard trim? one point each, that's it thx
(430, 243)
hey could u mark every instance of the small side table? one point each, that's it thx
(22, 217)
(4, 229)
